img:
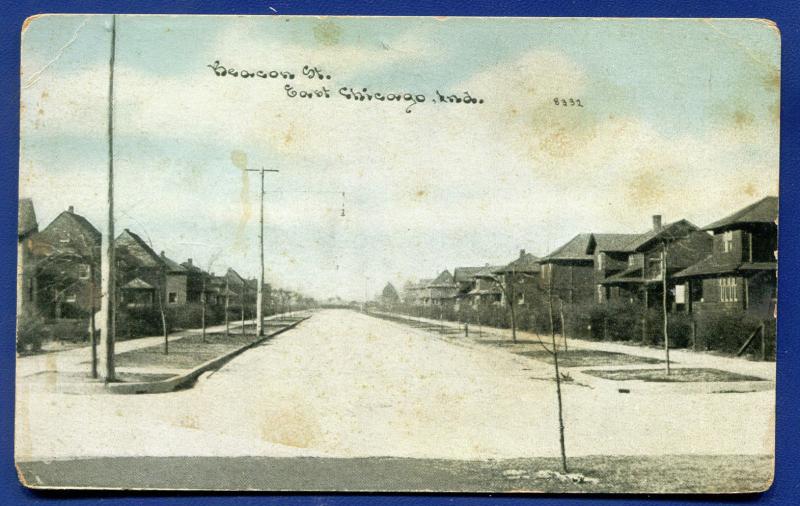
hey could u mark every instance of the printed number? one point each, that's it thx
(564, 102)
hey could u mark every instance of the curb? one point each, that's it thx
(170, 384)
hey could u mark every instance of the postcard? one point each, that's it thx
(406, 254)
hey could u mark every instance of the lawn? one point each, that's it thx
(185, 353)
(681, 375)
(587, 358)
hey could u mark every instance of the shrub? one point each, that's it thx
(137, 322)
(728, 331)
(30, 333)
(67, 330)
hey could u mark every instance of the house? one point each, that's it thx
(642, 280)
(464, 278)
(26, 268)
(485, 290)
(740, 272)
(611, 253)
(414, 292)
(141, 272)
(521, 278)
(568, 272)
(177, 282)
(197, 280)
(67, 273)
(442, 290)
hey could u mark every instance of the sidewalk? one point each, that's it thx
(678, 357)
(76, 362)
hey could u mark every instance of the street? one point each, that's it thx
(346, 385)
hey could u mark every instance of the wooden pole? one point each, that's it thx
(227, 305)
(109, 287)
(664, 303)
(260, 292)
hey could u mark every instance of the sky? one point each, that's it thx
(679, 118)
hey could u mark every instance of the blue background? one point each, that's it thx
(784, 13)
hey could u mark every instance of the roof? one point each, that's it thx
(711, 266)
(172, 265)
(525, 263)
(443, 280)
(462, 274)
(137, 284)
(763, 211)
(27, 218)
(488, 272)
(613, 242)
(630, 275)
(670, 231)
(575, 249)
(141, 243)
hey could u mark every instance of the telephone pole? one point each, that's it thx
(109, 288)
(260, 295)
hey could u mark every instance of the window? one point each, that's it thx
(600, 293)
(521, 299)
(172, 297)
(727, 290)
(601, 261)
(71, 298)
(727, 241)
(83, 271)
(631, 260)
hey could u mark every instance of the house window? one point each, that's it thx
(71, 298)
(83, 271)
(600, 293)
(601, 261)
(172, 297)
(631, 260)
(727, 241)
(727, 290)
(521, 299)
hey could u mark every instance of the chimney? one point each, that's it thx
(71, 209)
(189, 261)
(162, 254)
(521, 253)
(656, 222)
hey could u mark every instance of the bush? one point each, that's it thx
(138, 322)
(30, 333)
(67, 330)
(728, 331)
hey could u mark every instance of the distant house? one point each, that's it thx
(67, 255)
(740, 271)
(568, 272)
(26, 268)
(682, 242)
(196, 279)
(485, 290)
(177, 282)
(521, 277)
(442, 290)
(611, 252)
(141, 272)
(414, 293)
(464, 278)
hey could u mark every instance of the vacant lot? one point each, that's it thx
(185, 353)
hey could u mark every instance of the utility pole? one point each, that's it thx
(109, 289)
(260, 295)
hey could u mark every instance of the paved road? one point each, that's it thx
(346, 385)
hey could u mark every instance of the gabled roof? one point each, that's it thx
(172, 265)
(488, 272)
(463, 274)
(27, 218)
(525, 263)
(137, 284)
(139, 242)
(190, 267)
(234, 277)
(78, 221)
(443, 280)
(763, 211)
(670, 231)
(575, 249)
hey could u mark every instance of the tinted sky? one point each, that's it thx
(680, 118)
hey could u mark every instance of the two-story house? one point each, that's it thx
(27, 227)
(176, 283)
(740, 273)
(681, 243)
(442, 290)
(568, 272)
(520, 278)
(67, 274)
(141, 273)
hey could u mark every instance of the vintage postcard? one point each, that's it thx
(397, 254)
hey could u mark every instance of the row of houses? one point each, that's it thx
(59, 273)
(728, 265)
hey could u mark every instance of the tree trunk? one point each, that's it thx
(563, 325)
(92, 323)
(558, 385)
(227, 304)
